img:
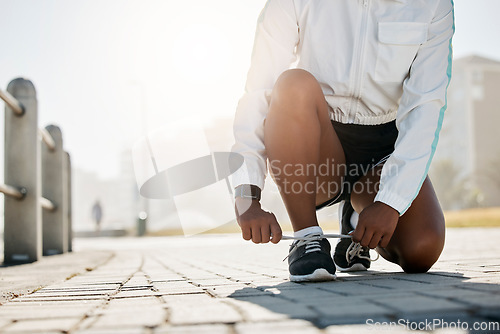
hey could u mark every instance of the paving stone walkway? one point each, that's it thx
(222, 284)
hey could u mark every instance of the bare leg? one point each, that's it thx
(418, 239)
(299, 137)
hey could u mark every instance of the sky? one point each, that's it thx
(109, 71)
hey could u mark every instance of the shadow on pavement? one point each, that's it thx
(408, 301)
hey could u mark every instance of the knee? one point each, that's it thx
(295, 86)
(421, 254)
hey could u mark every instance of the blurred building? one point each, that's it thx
(127, 194)
(87, 187)
(465, 168)
(118, 198)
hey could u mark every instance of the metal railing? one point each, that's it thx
(14, 104)
(37, 189)
(47, 139)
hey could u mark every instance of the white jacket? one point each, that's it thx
(376, 61)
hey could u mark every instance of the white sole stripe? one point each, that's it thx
(318, 275)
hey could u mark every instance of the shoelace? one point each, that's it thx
(354, 250)
(311, 242)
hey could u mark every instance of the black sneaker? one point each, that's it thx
(309, 260)
(349, 256)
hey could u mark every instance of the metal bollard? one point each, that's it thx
(23, 218)
(67, 167)
(55, 222)
(142, 220)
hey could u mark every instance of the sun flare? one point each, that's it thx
(201, 53)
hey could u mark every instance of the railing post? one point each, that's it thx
(55, 223)
(23, 224)
(67, 168)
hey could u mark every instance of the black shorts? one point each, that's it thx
(365, 146)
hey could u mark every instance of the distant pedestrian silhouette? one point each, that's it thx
(97, 215)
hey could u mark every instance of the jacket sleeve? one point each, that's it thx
(420, 114)
(274, 48)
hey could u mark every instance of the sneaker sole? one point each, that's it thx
(354, 267)
(319, 275)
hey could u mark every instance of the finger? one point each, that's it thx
(256, 237)
(265, 232)
(246, 233)
(367, 237)
(385, 241)
(375, 240)
(358, 233)
(277, 233)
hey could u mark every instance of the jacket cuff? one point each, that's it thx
(393, 200)
(243, 176)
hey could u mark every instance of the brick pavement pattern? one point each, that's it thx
(222, 284)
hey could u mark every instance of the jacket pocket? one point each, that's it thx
(398, 43)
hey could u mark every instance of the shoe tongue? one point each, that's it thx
(308, 230)
(315, 237)
(305, 237)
